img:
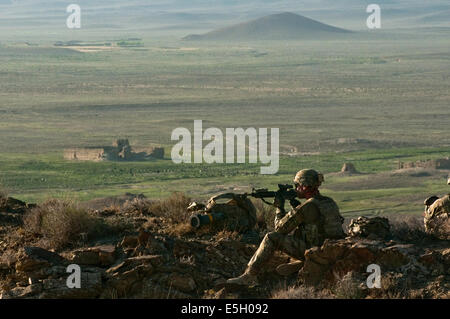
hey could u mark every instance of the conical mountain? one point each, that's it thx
(282, 26)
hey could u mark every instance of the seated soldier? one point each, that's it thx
(305, 226)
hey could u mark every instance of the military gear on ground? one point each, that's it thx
(437, 217)
(309, 177)
(376, 227)
(237, 214)
(194, 206)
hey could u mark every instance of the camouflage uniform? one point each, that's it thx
(296, 231)
(306, 223)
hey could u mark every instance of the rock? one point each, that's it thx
(96, 256)
(154, 260)
(376, 227)
(184, 283)
(34, 259)
(143, 237)
(22, 292)
(15, 206)
(7, 261)
(126, 278)
(40, 253)
(129, 242)
(91, 287)
(338, 257)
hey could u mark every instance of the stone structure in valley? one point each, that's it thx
(121, 150)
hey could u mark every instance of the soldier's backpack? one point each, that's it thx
(372, 228)
(331, 218)
(239, 213)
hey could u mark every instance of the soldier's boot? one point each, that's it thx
(246, 279)
(261, 256)
(290, 268)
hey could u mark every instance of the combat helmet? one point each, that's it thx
(308, 177)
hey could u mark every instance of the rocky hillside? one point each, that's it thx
(145, 249)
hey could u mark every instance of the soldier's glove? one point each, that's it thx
(279, 202)
(294, 203)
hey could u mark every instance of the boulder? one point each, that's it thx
(129, 242)
(126, 278)
(334, 259)
(91, 287)
(184, 283)
(95, 256)
(36, 259)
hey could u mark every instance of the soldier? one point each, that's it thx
(437, 215)
(311, 223)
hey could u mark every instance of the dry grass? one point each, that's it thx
(173, 208)
(62, 223)
(348, 287)
(137, 206)
(408, 228)
(302, 292)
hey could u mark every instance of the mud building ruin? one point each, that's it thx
(121, 150)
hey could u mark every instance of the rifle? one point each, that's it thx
(285, 191)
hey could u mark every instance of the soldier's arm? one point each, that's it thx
(279, 214)
(307, 211)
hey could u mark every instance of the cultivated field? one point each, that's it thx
(370, 99)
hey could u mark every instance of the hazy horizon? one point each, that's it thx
(175, 18)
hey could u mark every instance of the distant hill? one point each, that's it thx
(280, 26)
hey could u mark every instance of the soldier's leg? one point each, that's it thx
(293, 246)
(271, 242)
(275, 241)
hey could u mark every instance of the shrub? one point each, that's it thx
(173, 208)
(348, 287)
(408, 228)
(62, 223)
(301, 292)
